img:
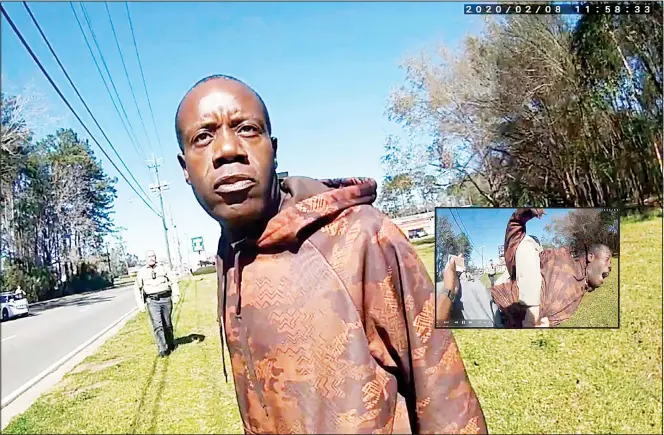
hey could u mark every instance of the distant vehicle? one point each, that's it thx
(13, 305)
(417, 234)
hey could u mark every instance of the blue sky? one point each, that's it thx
(486, 227)
(325, 71)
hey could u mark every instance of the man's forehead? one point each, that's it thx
(221, 95)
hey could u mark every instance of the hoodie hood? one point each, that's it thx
(306, 200)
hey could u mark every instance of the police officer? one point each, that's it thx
(157, 287)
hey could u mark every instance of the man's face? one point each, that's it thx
(151, 258)
(228, 152)
(599, 267)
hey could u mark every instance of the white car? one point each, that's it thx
(13, 305)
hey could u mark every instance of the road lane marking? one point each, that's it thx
(8, 338)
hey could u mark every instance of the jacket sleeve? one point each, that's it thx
(399, 304)
(514, 234)
(138, 290)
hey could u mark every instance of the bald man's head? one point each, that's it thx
(220, 77)
(228, 153)
(151, 257)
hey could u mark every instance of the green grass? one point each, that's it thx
(205, 270)
(124, 388)
(528, 381)
(484, 279)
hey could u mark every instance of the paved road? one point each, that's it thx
(32, 344)
(474, 305)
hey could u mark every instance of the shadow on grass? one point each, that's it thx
(189, 339)
(162, 382)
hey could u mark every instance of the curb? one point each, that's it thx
(32, 382)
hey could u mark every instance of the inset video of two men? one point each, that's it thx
(527, 267)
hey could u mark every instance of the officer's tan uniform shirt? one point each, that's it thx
(163, 281)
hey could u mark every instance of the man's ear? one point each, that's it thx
(275, 144)
(183, 165)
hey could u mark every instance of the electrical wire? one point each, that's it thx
(57, 59)
(124, 66)
(64, 99)
(460, 229)
(145, 87)
(108, 90)
(464, 227)
(110, 76)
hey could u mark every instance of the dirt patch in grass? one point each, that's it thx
(95, 367)
(86, 390)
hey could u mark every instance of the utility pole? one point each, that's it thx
(108, 259)
(482, 254)
(177, 237)
(186, 237)
(159, 187)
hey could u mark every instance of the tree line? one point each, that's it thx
(55, 208)
(580, 229)
(536, 110)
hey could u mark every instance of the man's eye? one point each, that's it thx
(202, 137)
(248, 129)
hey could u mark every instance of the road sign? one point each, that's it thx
(197, 244)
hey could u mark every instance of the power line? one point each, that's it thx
(460, 229)
(64, 99)
(57, 59)
(124, 66)
(110, 76)
(108, 90)
(140, 66)
(464, 227)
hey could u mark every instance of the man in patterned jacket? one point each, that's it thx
(545, 287)
(327, 311)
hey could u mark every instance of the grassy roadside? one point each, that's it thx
(124, 388)
(564, 381)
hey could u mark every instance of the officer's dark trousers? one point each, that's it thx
(159, 312)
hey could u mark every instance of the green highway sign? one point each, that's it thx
(197, 244)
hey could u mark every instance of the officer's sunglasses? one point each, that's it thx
(154, 275)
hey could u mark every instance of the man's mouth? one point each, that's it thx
(233, 183)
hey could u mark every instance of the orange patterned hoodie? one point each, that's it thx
(329, 320)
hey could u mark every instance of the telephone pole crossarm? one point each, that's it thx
(159, 188)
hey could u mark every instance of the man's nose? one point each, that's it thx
(228, 148)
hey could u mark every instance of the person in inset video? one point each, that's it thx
(325, 306)
(544, 287)
(491, 272)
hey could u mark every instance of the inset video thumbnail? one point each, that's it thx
(527, 267)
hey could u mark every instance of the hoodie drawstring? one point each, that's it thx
(222, 328)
